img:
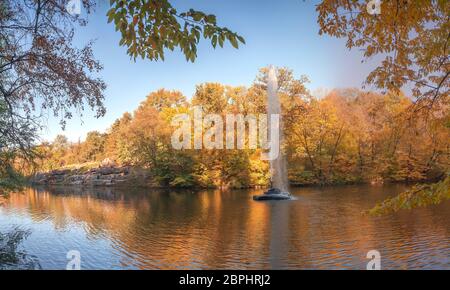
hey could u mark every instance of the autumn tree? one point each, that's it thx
(116, 146)
(40, 69)
(412, 38)
(347, 136)
(93, 146)
(165, 99)
(148, 140)
(316, 136)
(12, 146)
(40, 65)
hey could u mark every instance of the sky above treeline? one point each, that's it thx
(281, 33)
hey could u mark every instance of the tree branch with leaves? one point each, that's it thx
(150, 27)
(411, 36)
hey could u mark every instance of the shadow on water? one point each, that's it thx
(279, 233)
(11, 254)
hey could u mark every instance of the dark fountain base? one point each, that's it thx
(273, 194)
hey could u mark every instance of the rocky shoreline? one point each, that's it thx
(124, 176)
(102, 176)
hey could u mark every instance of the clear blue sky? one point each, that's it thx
(282, 33)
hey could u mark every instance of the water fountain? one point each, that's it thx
(278, 169)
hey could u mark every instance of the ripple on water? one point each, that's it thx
(322, 229)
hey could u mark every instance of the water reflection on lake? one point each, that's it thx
(148, 229)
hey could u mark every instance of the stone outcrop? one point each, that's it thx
(102, 176)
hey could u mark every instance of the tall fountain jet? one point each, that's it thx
(278, 168)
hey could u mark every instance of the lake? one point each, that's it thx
(152, 229)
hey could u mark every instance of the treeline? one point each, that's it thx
(348, 136)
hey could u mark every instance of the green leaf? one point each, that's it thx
(110, 15)
(233, 41)
(139, 20)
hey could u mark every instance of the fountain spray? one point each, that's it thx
(278, 168)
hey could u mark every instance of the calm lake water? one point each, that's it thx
(148, 229)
